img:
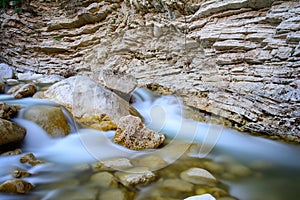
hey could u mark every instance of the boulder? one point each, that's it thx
(26, 90)
(8, 111)
(6, 72)
(16, 186)
(85, 97)
(133, 134)
(50, 118)
(10, 132)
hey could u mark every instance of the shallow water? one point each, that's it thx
(274, 165)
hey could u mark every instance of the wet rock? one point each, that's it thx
(239, 170)
(152, 162)
(26, 90)
(178, 185)
(113, 164)
(201, 197)
(30, 159)
(198, 176)
(101, 122)
(16, 186)
(14, 152)
(6, 72)
(213, 167)
(115, 194)
(13, 89)
(11, 82)
(50, 118)
(18, 173)
(10, 132)
(103, 179)
(133, 134)
(85, 98)
(8, 111)
(135, 176)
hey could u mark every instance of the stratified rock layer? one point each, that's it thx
(238, 59)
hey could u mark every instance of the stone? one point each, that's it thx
(8, 111)
(213, 167)
(115, 194)
(17, 173)
(201, 197)
(14, 88)
(13, 152)
(239, 170)
(177, 185)
(151, 161)
(198, 176)
(133, 134)
(16, 186)
(85, 98)
(50, 118)
(101, 122)
(103, 180)
(11, 132)
(30, 159)
(26, 90)
(6, 72)
(114, 164)
(11, 82)
(135, 176)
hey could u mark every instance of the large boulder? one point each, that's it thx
(10, 132)
(50, 118)
(85, 97)
(133, 134)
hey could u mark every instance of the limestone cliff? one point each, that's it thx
(238, 59)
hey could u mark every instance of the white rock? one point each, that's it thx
(198, 176)
(201, 197)
(6, 71)
(12, 82)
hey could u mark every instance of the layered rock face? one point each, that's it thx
(238, 59)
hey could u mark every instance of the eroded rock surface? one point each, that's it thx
(16, 186)
(237, 59)
(133, 134)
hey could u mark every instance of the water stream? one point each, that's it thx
(277, 165)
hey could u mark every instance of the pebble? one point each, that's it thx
(103, 179)
(178, 185)
(201, 197)
(198, 176)
(115, 194)
(135, 176)
(113, 164)
(151, 161)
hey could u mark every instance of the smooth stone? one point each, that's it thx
(50, 118)
(13, 152)
(16, 186)
(201, 197)
(178, 185)
(133, 134)
(150, 161)
(135, 176)
(12, 82)
(213, 167)
(11, 132)
(26, 90)
(6, 72)
(113, 164)
(103, 179)
(198, 176)
(115, 194)
(239, 170)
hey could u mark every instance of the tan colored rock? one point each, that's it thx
(135, 176)
(115, 194)
(103, 180)
(177, 185)
(17, 173)
(8, 111)
(26, 90)
(31, 159)
(16, 186)
(113, 164)
(198, 176)
(133, 134)
(101, 122)
(10, 132)
(50, 118)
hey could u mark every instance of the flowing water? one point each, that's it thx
(274, 166)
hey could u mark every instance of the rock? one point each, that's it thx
(239, 170)
(14, 152)
(121, 83)
(17, 173)
(177, 185)
(30, 159)
(39, 78)
(12, 82)
(50, 118)
(101, 122)
(14, 88)
(16, 186)
(115, 194)
(103, 180)
(198, 176)
(86, 98)
(213, 167)
(135, 176)
(113, 164)
(26, 90)
(10, 132)
(6, 72)
(2, 85)
(201, 197)
(133, 134)
(150, 161)
(8, 111)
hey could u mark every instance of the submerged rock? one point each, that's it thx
(198, 176)
(16, 186)
(85, 97)
(10, 132)
(201, 197)
(177, 185)
(135, 176)
(26, 90)
(50, 118)
(103, 179)
(133, 134)
(8, 111)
